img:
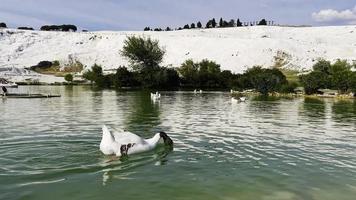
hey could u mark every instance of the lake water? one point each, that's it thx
(260, 149)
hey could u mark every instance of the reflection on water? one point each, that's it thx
(143, 114)
(314, 108)
(265, 148)
(344, 111)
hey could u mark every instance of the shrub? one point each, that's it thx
(94, 74)
(68, 77)
(124, 78)
(42, 65)
(25, 28)
(289, 87)
(64, 27)
(3, 25)
(55, 63)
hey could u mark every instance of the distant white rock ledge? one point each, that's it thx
(235, 49)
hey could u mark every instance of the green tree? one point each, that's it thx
(213, 23)
(341, 76)
(68, 77)
(142, 52)
(124, 78)
(95, 75)
(199, 25)
(192, 26)
(353, 82)
(313, 81)
(263, 22)
(323, 66)
(209, 24)
(221, 23)
(189, 72)
(265, 80)
(231, 23)
(3, 25)
(238, 23)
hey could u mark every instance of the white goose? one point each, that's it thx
(126, 143)
(155, 96)
(243, 99)
(233, 100)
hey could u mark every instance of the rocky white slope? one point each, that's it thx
(234, 48)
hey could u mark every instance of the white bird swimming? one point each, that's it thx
(126, 143)
(233, 100)
(242, 99)
(155, 96)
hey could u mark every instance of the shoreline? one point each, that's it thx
(235, 93)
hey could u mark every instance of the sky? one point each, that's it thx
(137, 14)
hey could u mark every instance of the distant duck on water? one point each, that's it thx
(155, 96)
(241, 99)
(196, 92)
(125, 143)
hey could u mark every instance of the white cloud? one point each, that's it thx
(329, 15)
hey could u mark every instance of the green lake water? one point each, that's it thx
(266, 149)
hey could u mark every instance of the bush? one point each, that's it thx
(25, 28)
(68, 77)
(42, 65)
(64, 27)
(3, 25)
(125, 78)
(55, 63)
(289, 87)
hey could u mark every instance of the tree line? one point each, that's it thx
(64, 27)
(214, 24)
(326, 75)
(145, 56)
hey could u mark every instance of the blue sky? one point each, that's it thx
(136, 14)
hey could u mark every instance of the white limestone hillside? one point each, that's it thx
(234, 48)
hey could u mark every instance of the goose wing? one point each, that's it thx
(125, 137)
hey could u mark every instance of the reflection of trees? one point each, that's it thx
(265, 105)
(143, 115)
(344, 111)
(314, 108)
(97, 100)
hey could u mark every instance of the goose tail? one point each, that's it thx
(106, 134)
(107, 141)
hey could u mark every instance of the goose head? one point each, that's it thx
(166, 139)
